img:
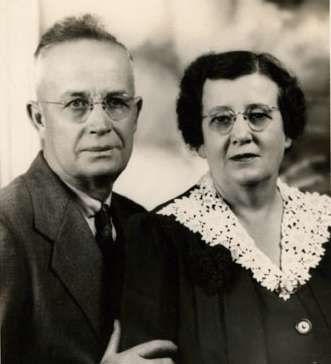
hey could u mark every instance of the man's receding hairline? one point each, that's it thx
(44, 50)
(42, 55)
(86, 26)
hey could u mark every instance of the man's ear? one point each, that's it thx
(139, 103)
(35, 115)
(202, 151)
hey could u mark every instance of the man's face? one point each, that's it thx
(85, 146)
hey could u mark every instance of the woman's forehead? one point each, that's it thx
(248, 89)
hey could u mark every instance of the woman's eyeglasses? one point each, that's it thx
(258, 117)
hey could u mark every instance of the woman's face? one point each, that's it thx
(242, 156)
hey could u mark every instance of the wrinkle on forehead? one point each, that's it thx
(95, 93)
(90, 55)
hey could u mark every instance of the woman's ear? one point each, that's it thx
(288, 142)
(35, 115)
(202, 151)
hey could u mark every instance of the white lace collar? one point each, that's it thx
(306, 217)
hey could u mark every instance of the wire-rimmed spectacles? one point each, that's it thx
(118, 107)
(258, 117)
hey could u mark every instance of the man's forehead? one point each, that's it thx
(106, 92)
(83, 53)
(83, 62)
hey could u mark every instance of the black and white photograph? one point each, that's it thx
(165, 182)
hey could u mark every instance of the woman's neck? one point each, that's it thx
(259, 209)
(257, 197)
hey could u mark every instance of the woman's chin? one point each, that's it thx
(248, 178)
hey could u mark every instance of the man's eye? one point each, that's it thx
(116, 103)
(77, 104)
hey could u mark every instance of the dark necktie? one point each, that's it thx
(113, 270)
(104, 233)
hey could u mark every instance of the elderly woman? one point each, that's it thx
(238, 268)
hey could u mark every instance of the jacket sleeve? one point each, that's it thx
(150, 293)
(13, 295)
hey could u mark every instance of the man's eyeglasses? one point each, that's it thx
(258, 117)
(118, 107)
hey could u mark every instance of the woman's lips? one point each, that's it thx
(244, 157)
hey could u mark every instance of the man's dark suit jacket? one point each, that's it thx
(51, 289)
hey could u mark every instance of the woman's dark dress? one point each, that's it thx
(180, 289)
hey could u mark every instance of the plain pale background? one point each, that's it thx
(164, 37)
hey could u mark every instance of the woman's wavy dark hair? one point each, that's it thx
(232, 65)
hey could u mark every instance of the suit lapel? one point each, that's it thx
(78, 263)
(76, 260)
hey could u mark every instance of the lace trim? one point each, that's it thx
(305, 221)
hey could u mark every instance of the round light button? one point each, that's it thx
(304, 326)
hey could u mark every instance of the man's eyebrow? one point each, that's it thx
(71, 93)
(117, 93)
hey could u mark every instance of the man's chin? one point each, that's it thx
(101, 168)
(105, 173)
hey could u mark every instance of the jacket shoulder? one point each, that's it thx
(15, 197)
(152, 221)
(166, 203)
(126, 206)
(152, 227)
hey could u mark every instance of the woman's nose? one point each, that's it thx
(241, 132)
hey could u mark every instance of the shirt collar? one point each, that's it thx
(89, 205)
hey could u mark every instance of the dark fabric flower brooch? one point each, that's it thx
(211, 268)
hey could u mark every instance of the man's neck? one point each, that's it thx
(99, 187)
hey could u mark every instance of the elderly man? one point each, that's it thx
(61, 226)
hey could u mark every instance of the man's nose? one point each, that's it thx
(98, 120)
(241, 132)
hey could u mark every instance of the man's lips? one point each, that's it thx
(244, 156)
(99, 148)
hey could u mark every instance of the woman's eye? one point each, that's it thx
(77, 104)
(258, 115)
(221, 119)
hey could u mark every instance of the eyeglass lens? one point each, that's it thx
(117, 107)
(258, 117)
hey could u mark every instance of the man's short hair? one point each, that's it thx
(75, 28)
